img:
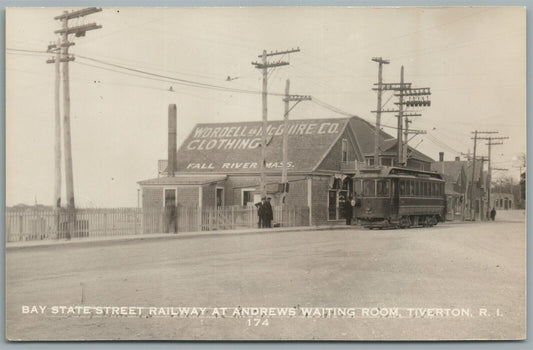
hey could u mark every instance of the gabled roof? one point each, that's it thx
(478, 174)
(226, 148)
(450, 169)
(365, 133)
(236, 147)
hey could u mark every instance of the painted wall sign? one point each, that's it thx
(249, 137)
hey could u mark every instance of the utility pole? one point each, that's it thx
(407, 97)
(57, 118)
(381, 62)
(472, 199)
(520, 167)
(64, 32)
(264, 66)
(490, 143)
(288, 98)
(400, 116)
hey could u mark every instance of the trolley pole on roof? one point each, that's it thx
(264, 66)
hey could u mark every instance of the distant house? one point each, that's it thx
(218, 165)
(502, 201)
(458, 188)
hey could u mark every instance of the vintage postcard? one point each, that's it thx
(284, 173)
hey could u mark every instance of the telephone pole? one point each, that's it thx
(472, 199)
(64, 58)
(381, 62)
(400, 116)
(407, 97)
(288, 98)
(57, 118)
(490, 143)
(264, 66)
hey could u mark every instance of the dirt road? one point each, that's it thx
(475, 268)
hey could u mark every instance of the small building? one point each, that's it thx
(458, 187)
(502, 201)
(218, 165)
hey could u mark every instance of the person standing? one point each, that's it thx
(348, 210)
(269, 214)
(260, 213)
(493, 214)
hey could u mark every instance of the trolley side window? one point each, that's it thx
(402, 188)
(383, 188)
(369, 188)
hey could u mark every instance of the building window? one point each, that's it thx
(369, 161)
(248, 197)
(369, 188)
(170, 197)
(382, 188)
(344, 151)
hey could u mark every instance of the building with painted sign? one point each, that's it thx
(219, 165)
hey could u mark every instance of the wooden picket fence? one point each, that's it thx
(30, 224)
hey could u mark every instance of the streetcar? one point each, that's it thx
(394, 197)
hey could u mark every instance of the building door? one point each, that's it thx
(336, 200)
(342, 198)
(219, 197)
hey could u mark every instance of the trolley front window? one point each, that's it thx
(369, 189)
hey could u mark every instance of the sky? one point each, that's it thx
(473, 59)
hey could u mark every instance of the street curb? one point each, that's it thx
(162, 236)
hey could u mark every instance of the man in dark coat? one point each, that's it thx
(348, 211)
(269, 214)
(493, 214)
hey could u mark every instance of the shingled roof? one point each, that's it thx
(225, 148)
(236, 147)
(450, 169)
(365, 133)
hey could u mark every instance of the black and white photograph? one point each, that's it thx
(265, 173)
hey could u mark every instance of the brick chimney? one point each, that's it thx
(457, 159)
(441, 156)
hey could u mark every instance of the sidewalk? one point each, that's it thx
(156, 236)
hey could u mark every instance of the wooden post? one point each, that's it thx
(57, 134)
